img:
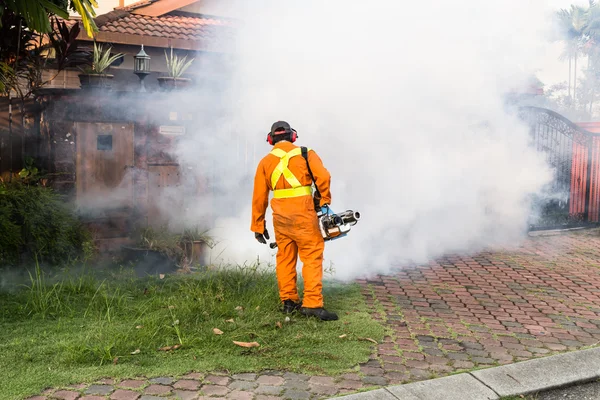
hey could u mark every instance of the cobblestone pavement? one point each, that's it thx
(455, 313)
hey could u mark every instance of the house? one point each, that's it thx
(158, 26)
(112, 151)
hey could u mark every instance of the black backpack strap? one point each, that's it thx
(304, 151)
(317, 196)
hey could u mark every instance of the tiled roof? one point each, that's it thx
(166, 26)
(180, 30)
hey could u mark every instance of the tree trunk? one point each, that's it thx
(570, 74)
(575, 78)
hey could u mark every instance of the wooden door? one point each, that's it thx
(105, 159)
(165, 195)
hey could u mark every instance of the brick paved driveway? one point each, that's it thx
(488, 309)
(453, 314)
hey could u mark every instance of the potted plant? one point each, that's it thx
(176, 66)
(158, 250)
(94, 75)
(193, 242)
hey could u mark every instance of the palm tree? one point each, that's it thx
(573, 21)
(36, 12)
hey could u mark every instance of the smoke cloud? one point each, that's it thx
(404, 102)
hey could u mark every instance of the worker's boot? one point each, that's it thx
(320, 313)
(289, 306)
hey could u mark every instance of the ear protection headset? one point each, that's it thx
(291, 131)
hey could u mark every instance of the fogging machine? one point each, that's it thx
(332, 226)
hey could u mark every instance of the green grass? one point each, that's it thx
(80, 329)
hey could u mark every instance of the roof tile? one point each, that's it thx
(168, 26)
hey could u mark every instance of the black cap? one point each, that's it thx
(280, 125)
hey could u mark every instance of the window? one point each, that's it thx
(104, 142)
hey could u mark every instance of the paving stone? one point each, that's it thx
(556, 347)
(162, 380)
(148, 397)
(242, 385)
(186, 395)
(270, 390)
(323, 389)
(374, 380)
(292, 375)
(214, 390)
(65, 395)
(270, 380)
(351, 376)
(100, 389)
(89, 397)
(157, 389)
(45, 398)
(350, 384)
(292, 394)
(240, 395)
(244, 377)
(295, 384)
(536, 350)
(217, 380)
(458, 356)
(186, 384)
(483, 360)
(121, 394)
(321, 380)
(265, 397)
(372, 371)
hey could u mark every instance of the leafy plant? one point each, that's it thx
(29, 171)
(35, 12)
(64, 46)
(176, 66)
(36, 221)
(101, 60)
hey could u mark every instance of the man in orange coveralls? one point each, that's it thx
(284, 171)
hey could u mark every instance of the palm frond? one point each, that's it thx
(37, 18)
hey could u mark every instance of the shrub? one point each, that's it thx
(36, 222)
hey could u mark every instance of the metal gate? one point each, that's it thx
(573, 197)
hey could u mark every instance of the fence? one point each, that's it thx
(573, 198)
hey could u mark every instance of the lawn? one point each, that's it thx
(56, 332)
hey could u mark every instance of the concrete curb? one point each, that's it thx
(524, 377)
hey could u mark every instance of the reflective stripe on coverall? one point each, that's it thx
(294, 218)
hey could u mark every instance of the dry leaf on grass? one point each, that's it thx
(239, 308)
(342, 336)
(139, 327)
(229, 320)
(257, 308)
(217, 331)
(171, 307)
(137, 351)
(278, 324)
(246, 344)
(167, 348)
(161, 276)
(368, 339)
(115, 360)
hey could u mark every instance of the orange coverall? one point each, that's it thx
(295, 222)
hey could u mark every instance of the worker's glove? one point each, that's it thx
(262, 237)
